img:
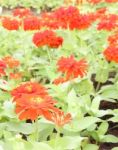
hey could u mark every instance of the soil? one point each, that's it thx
(113, 127)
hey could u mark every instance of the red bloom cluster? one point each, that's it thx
(111, 53)
(66, 18)
(111, 1)
(100, 1)
(100, 13)
(113, 39)
(31, 23)
(108, 22)
(47, 21)
(10, 23)
(16, 76)
(48, 38)
(94, 1)
(11, 62)
(70, 68)
(2, 68)
(22, 12)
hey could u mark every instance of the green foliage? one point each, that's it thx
(81, 97)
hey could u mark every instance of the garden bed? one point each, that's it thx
(58, 75)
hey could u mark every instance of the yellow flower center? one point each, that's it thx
(36, 100)
(29, 88)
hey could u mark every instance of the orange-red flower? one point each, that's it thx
(48, 38)
(31, 23)
(2, 68)
(81, 22)
(100, 13)
(28, 88)
(58, 117)
(2, 64)
(30, 106)
(72, 68)
(113, 39)
(21, 12)
(11, 62)
(108, 22)
(111, 53)
(59, 80)
(94, 1)
(16, 76)
(32, 99)
(111, 1)
(10, 23)
(66, 15)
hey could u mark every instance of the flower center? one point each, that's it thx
(29, 88)
(36, 100)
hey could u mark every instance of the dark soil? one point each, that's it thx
(113, 127)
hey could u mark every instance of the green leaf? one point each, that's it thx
(25, 128)
(68, 142)
(40, 146)
(87, 122)
(96, 103)
(91, 147)
(4, 95)
(72, 97)
(110, 139)
(114, 119)
(102, 73)
(109, 92)
(115, 148)
(84, 87)
(103, 128)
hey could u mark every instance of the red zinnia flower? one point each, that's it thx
(2, 64)
(28, 88)
(47, 21)
(16, 76)
(113, 39)
(100, 13)
(58, 117)
(111, 1)
(81, 22)
(48, 38)
(22, 12)
(2, 68)
(10, 23)
(59, 80)
(32, 100)
(72, 68)
(69, 17)
(109, 23)
(30, 106)
(11, 62)
(94, 1)
(31, 23)
(111, 53)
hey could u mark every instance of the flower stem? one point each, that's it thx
(57, 138)
(48, 54)
(98, 86)
(36, 133)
